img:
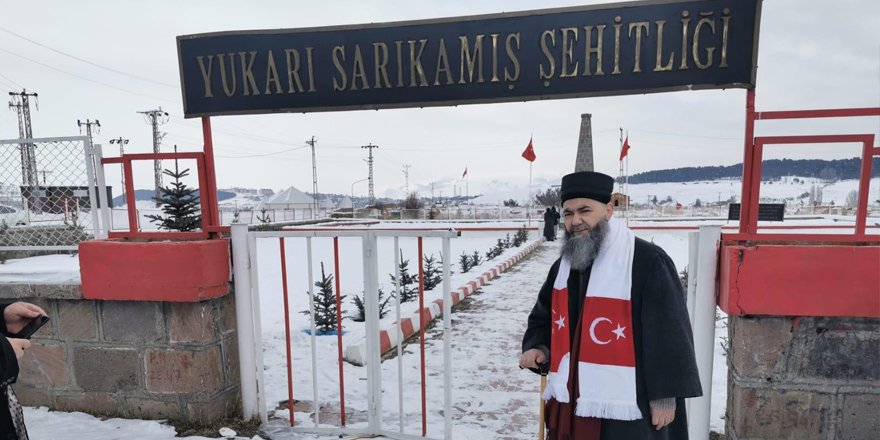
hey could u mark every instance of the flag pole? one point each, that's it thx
(626, 185)
(620, 173)
(529, 214)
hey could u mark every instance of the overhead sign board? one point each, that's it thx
(610, 49)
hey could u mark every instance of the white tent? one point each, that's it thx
(290, 199)
(327, 203)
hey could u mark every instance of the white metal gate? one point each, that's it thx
(247, 290)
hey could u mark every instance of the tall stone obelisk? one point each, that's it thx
(584, 159)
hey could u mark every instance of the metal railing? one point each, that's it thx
(245, 266)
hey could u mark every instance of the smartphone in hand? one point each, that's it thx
(31, 327)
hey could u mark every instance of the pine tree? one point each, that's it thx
(433, 272)
(464, 261)
(361, 315)
(179, 203)
(325, 304)
(475, 259)
(408, 283)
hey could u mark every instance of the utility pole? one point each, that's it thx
(155, 118)
(122, 143)
(21, 104)
(89, 123)
(406, 176)
(370, 147)
(314, 177)
(44, 172)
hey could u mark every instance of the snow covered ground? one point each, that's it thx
(492, 397)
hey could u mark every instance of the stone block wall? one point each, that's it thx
(154, 360)
(803, 378)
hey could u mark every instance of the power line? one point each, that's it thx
(86, 79)
(87, 61)
(17, 85)
(263, 155)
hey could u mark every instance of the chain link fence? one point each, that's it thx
(48, 194)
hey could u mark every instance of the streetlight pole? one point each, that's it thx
(352, 193)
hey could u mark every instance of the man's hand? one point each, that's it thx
(19, 314)
(18, 345)
(531, 358)
(662, 417)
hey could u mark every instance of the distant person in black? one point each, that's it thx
(555, 222)
(549, 224)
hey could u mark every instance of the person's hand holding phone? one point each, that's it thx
(18, 345)
(18, 314)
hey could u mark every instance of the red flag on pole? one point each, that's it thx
(465, 173)
(529, 153)
(625, 148)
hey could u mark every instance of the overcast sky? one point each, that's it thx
(812, 54)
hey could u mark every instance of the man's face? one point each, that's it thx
(581, 215)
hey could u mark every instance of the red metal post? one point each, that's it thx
(129, 197)
(204, 202)
(339, 331)
(286, 329)
(211, 189)
(422, 339)
(864, 186)
(754, 187)
(745, 198)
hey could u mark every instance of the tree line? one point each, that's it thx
(773, 169)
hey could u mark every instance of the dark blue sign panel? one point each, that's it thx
(612, 49)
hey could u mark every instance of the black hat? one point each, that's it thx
(587, 184)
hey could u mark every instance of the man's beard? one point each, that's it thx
(581, 250)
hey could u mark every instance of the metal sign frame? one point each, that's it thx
(519, 60)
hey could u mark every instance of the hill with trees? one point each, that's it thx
(774, 169)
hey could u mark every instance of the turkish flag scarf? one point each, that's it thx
(606, 374)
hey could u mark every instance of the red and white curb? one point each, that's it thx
(389, 337)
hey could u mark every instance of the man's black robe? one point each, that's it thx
(8, 375)
(663, 342)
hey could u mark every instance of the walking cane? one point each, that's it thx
(544, 369)
(541, 406)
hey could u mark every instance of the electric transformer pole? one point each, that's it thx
(406, 176)
(155, 118)
(314, 177)
(21, 104)
(370, 147)
(89, 123)
(122, 143)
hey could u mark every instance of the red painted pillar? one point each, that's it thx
(213, 214)
(748, 153)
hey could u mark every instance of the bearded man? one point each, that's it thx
(611, 325)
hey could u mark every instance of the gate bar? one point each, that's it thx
(422, 339)
(447, 340)
(313, 336)
(339, 332)
(399, 332)
(287, 338)
(241, 266)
